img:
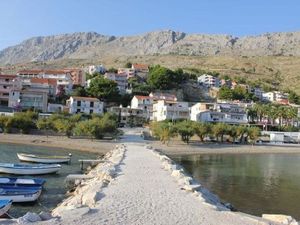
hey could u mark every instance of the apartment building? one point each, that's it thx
(171, 110)
(86, 105)
(6, 82)
(208, 81)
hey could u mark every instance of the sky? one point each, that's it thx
(22, 19)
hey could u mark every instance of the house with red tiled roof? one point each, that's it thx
(86, 105)
(140, 67)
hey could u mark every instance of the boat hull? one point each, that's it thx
(28, 197)
(36, 159)
(28, 170)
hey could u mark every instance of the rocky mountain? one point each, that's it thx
(91, 45)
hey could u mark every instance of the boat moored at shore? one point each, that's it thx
(29, 169)
(43, 159)
(19, 182)
(20, 194)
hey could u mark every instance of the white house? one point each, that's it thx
(208, 81)
(219, 112)
(120, 79)
(94, 69)
(86, 105)
(172, 110)
(144, 103)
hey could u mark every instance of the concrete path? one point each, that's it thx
(144, 193)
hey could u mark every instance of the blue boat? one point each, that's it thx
(4, 206)
(20, 194)
(18, 181)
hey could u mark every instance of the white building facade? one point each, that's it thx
(163, 110)
(84, 105)
(208, 81)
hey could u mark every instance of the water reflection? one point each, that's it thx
(253, 183)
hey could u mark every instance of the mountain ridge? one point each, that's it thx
(88, 45)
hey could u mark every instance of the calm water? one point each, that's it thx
(253, 183)
(54, 189)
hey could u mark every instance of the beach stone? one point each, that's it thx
(280, 218)
(29, 218)
(45, 216)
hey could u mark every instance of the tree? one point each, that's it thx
(293, 98)
(219, 130)
(254, 133)
(79, 91)
(128, 65)
(44, 124)
(225, 93)
(103, 89)
(160, 78)
(163, 130)
(185, 130)
(201, 130)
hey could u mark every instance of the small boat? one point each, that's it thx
(43, 158)
(20, 194)
(4, 206)
(19, 182)
(29, 169)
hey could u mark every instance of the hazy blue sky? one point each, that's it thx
(21, 19)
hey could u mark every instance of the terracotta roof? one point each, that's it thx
(141, 97)
(85, 98)
(7, 76)
(62, 71)
(43, 81)
(140, 66)
(163, 96)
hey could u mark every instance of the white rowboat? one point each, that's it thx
(29, 169)
(43, 159)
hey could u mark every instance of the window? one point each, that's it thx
(91, 111)
(78, 103)
(4, 87)
(78, 111)
(91, 104)
(6, 80)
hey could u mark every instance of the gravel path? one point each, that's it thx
(144, 193)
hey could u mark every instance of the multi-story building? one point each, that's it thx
(208, 81)
(219, 112)
(120, 79)
(87, 105)
(172, 110)
(64, 78)
(144, 103)
(128, 116)
(128, 71)
(162, 96)
(22, 96)
(96, 69)
(6, 83)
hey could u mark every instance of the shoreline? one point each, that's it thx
(176, 148)
(57, 142)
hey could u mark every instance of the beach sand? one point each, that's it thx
(96, 146)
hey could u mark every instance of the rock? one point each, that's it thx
(45, 216)
(29, 218)
(89, 45)
(279, 218)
